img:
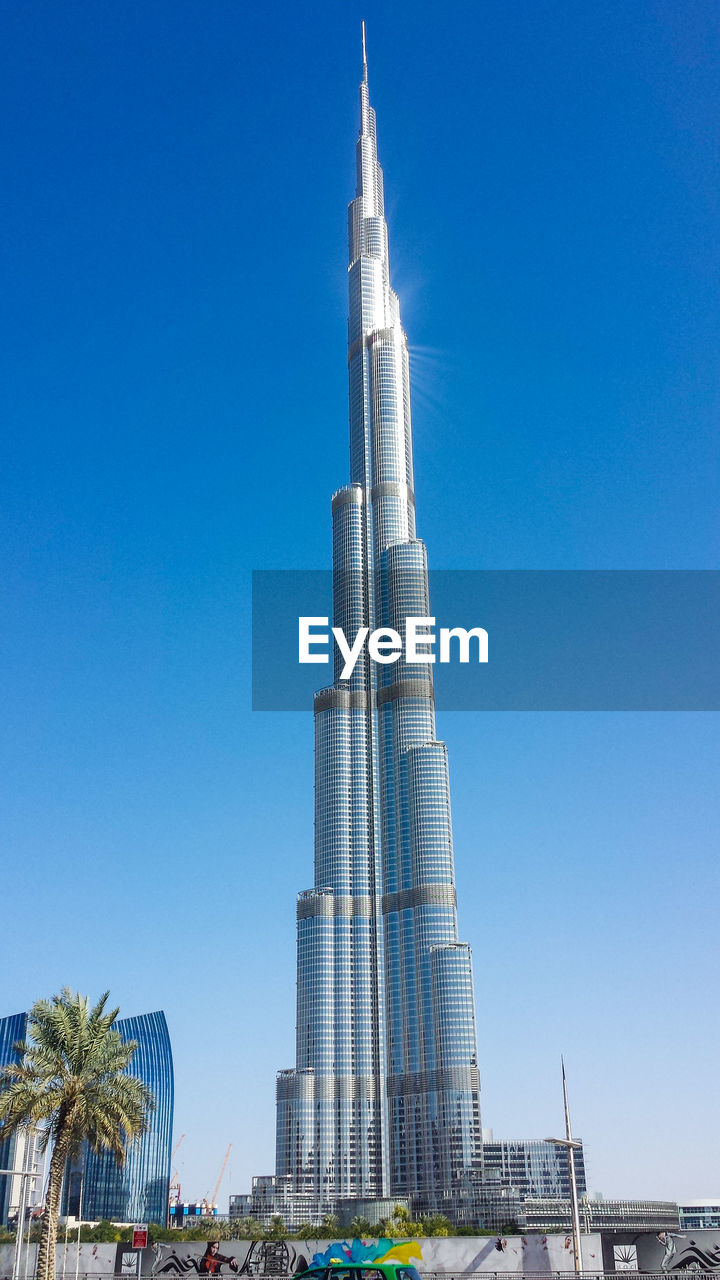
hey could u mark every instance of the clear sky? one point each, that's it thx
(174, 400)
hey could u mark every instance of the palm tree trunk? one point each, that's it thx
(46, 1252)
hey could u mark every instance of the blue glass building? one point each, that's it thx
(384, 1098)
(12, 1030)
(139, 1190)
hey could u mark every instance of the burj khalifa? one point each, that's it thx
(383, 1101)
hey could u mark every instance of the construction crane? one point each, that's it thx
(177, 1144)
(220, 1175)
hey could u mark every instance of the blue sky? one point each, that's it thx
(174, 395)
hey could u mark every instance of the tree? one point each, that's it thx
(361, 1227)
(438, 1225)
(400, 1226)
(208, 1229)
(218, 1229)
(71, 1081)
(104, 1231)
(310, 1231)
(247, 1228)
(329, 1227)
(276, 1230)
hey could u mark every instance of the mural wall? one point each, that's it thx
(669, 1253)
(173, 1261)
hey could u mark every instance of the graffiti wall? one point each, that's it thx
(669, 1253)
(170, 1261)
(465, 1255)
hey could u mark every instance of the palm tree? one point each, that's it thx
(437, 1225)
(310, 1231)
(360, 1226)
(71, 1080)
(247, 1229)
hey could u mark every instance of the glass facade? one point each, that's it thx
(533, 1168)
(12, 1030)
(384, 1097)
(139, 1191)
(700, 1216)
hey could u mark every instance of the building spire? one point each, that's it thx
(364, 51)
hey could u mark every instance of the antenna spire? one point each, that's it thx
(364, 51)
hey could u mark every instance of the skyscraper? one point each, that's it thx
(384, 1098)
(95, 1185)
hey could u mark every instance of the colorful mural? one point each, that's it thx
(375, 1251)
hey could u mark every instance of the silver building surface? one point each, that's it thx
(384, 1098)
(552, 1214)
(532, 1167)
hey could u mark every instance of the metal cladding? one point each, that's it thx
(384, 1100)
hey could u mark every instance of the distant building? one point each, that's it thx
(600, 1215)
(700, 1214)
(239, 1207)
(25, 1195)
(271, 1195)
(184, 1214)
(12, 1029)
(533, 1167)
(373, 1210)
(95, 1186)
(22, 1150)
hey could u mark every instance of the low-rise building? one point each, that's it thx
(699, 1214)
(184, 1214)
(600, 1215)
(21, 1192)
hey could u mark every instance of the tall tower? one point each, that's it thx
(384, 1098)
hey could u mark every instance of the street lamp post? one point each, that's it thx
(571, 1146)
